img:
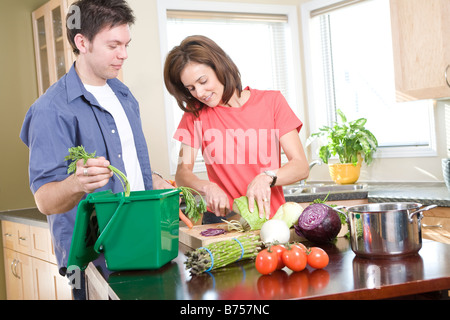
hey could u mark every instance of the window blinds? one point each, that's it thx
(210, 15)
(334, 6)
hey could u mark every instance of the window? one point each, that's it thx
(351, 68)
(260, 40)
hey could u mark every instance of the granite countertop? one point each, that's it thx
(30, 216)
(426, 193)
(335, 196)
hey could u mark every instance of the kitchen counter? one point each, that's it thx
(426, 274)
(425, 193)
(344, 278)
(30, 216)
(335, 196)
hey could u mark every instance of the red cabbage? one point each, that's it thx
(211, 232)
(318, 223)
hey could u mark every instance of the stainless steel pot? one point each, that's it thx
(381, 230)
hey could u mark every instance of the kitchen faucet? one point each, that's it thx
(311, 164)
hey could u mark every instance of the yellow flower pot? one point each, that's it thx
(344, 173)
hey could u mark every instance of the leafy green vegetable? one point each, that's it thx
(251, 220)
(347, 140)
(79, 153)
(289, 212)
(323, 201)
(193, 210)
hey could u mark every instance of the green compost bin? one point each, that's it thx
(134, 233)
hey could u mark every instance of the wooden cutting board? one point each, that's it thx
(192, 237)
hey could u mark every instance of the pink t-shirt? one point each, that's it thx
(239, 143)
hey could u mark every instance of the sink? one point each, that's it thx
(322, 188)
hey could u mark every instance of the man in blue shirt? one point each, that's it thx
(88, 106)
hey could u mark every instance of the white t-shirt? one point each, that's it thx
(108, 100)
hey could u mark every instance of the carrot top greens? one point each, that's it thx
(79, 153)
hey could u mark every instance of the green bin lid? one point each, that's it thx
(85, 234)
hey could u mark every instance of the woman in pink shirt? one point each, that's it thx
(239, 130)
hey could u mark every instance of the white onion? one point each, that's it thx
(275, 231)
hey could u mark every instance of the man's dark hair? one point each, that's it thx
(95, 15)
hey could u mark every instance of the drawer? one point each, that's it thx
(436, 224)
(23, 238)
(41, 244)
(16, 236)
(30, 240)
(9, 235)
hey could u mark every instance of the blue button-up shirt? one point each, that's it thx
(67, 115)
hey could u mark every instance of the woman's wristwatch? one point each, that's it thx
(273, 175)
(158, 174)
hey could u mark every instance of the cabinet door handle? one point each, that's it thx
(22, 238)
(12, 268)
(446, 75)
(15, 269)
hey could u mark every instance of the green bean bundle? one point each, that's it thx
(222, 253)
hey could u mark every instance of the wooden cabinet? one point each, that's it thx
(42, 247)
(31, 272)
(18, 275)
(52, 50)
(420, 34)
(436, 224)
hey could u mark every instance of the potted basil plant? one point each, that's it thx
(351, 142)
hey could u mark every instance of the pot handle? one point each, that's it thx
(420, 216)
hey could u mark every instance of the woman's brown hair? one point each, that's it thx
(200, 49)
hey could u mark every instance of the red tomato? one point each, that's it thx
(317, 258)
(294, 258)
(266, 261)
(279, 249)
(301, 246)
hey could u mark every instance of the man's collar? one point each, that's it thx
(75, 87)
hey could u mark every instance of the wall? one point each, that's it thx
(18, 90)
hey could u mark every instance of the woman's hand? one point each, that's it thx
(259, 190)
(216, 200)
(160, 183)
